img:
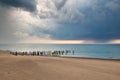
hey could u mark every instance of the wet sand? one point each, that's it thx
(56, 68)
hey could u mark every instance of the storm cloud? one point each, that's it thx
(29, 5)
(97, 20)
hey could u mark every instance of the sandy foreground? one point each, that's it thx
(55, 68)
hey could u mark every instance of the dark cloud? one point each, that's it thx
(100, 24)
(97, 33)
(108, 28)
(61, 20)
(60, 4)
(29, 5)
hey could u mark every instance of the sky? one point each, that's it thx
(60, 21)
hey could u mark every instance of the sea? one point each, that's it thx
(104, 51)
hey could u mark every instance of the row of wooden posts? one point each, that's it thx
(44, 53)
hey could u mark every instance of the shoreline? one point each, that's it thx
(91, 58)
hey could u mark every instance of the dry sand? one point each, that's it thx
(55, 68)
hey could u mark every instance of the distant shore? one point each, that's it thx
(56, 68)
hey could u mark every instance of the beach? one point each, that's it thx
(56, 68)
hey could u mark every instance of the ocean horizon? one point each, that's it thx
(104, 51)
